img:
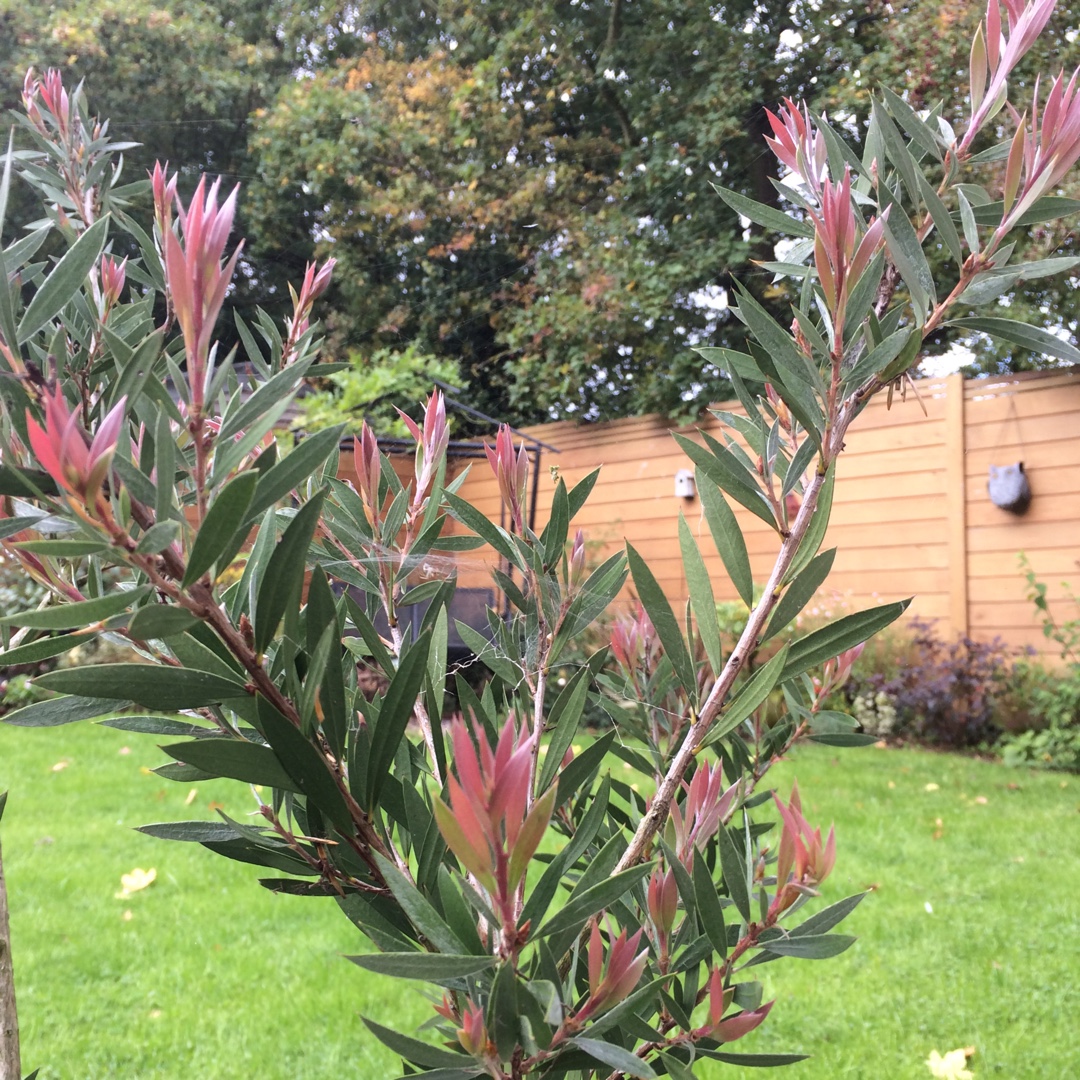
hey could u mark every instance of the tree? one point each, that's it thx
(528, 191)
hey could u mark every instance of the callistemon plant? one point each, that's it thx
(578, 921)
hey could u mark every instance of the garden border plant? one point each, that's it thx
(630, 950)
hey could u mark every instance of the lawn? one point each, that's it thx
(970, 937)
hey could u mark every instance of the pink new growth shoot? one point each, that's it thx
(431, 442)
(197, 279)
(1043, 154)
(993, 57)
(734, 1027)
(77, 463)
(607, 987)
(798, 144)
(487, 824)
(803, 861)
(512, 472)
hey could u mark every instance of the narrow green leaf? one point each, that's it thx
(227, 516)
(829, 917)
(426, 966)
(970, 225)
(43, 649)
(819, 523)
(554, 535)
(283, 580)
(831, 640)
(1027, 337)
(234, 759)
(767, 217)
(149, 685)
(78, 615)
(729, 475)
(775, 340)
(419, 1053)
(395, 712)
(880, 357)
(160, 725)
(733, 866)
(581, 906)
(504, 1011)
(663, 619)
(811, 946)
(24, 482)
(752, 694)
(907, 254)
(62, 549)
(943, 221)
(581, 491)
(471, 518)
(702, 599)
(1048, 208)
(419, 910)
(709, 909)
(755, 1061)
(615, 1057)
(799, 593)
(863, 294)
(727, 536)
(307, 767)
(584, 766)
(63, 710)
(65, 281)
(563, 721)
(917, 128)
(158, 537)
(294, 469)
(192, 832)
(160, 621)
(898, 153)
(842, 738)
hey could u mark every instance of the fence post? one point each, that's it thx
(956, 503)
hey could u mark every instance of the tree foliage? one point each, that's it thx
(529, 191)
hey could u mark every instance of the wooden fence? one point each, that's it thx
(911, 514)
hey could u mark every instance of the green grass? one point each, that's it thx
(971, 937)
(213, 976)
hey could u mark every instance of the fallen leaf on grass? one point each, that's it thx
(135, 882)
(982, 800)
(939, 830)
(60, 766)
(191, 796)
(932, 787)
(892, 784)
(124, 751)
(127, 916)
(215, 805)
(953, 1066)
(928, 908)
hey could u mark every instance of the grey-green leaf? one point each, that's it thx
(149, 685)
(727, 536)
(225, 518)
(65, 280)
(63, 710)
(77, 615)
(428, 967)
(663, 619)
